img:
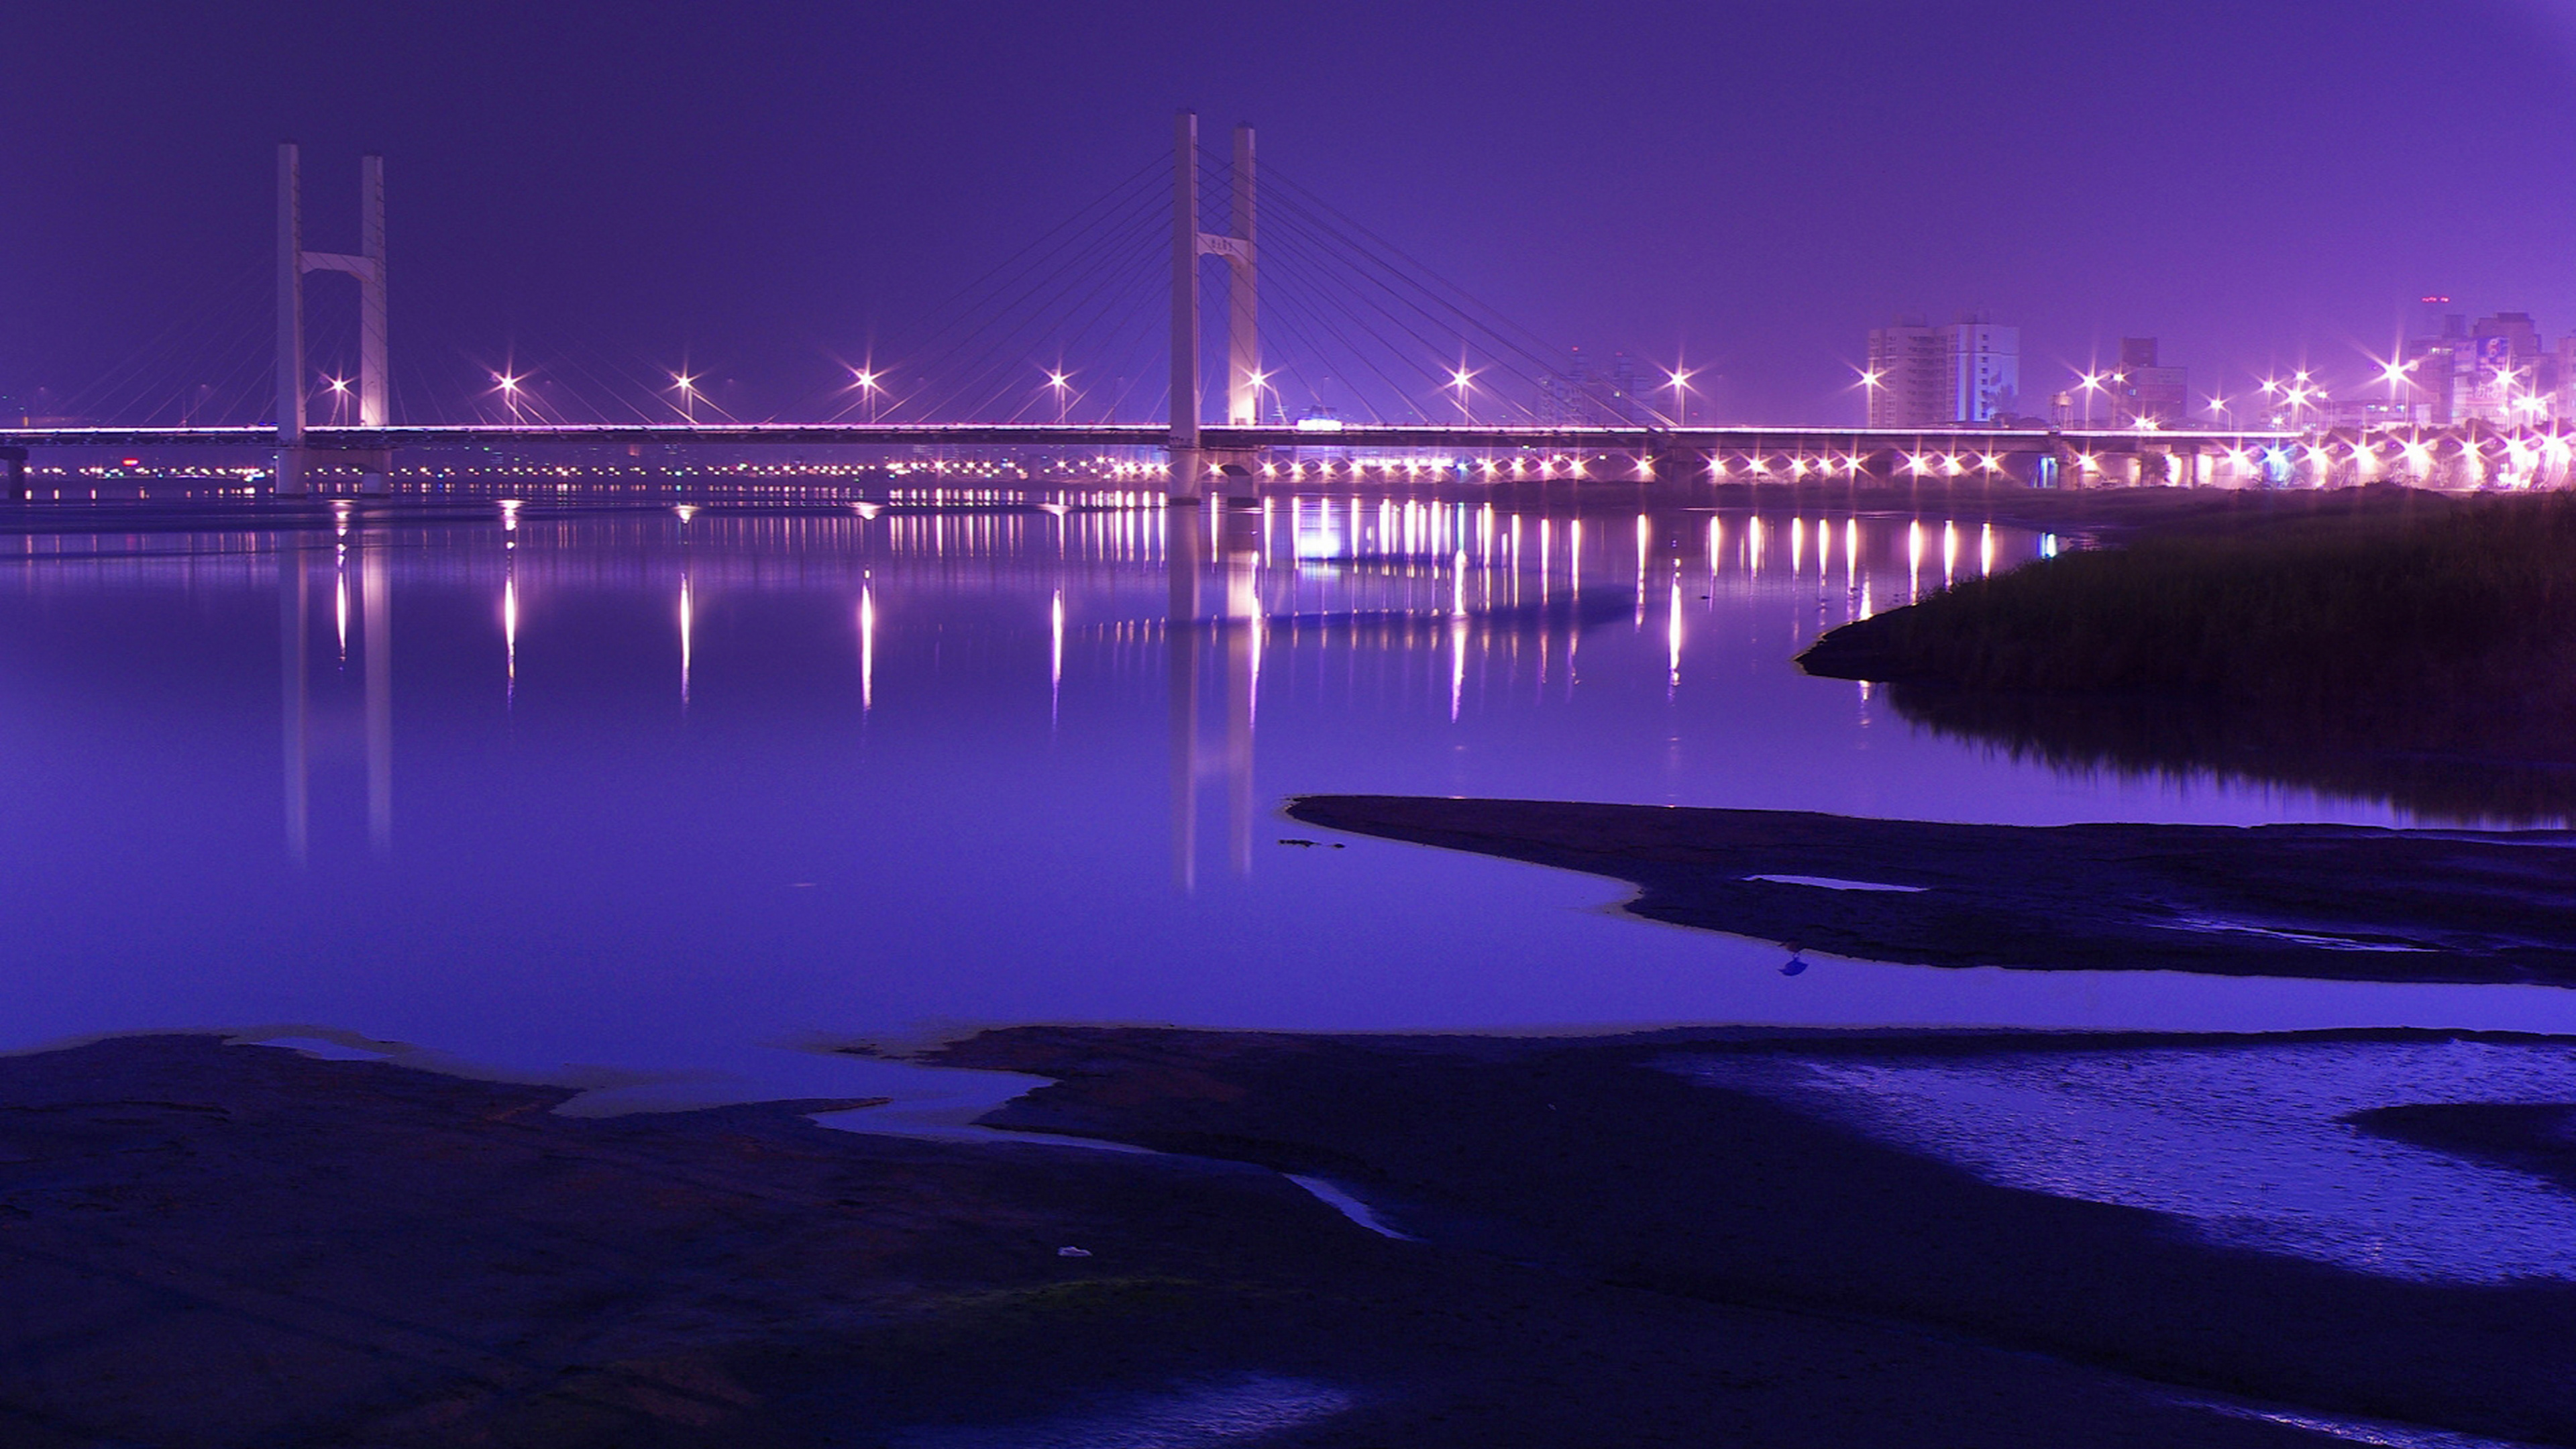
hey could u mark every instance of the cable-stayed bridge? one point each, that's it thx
(1335, 354)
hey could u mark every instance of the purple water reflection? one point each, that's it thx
(659, 794)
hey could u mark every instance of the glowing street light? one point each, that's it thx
(865, 380)
(2396, 373)
(2090, 383)
(1460, 377)
(1679, 381)
(1058, 379)
(1254, 381)
(509, 382)
(688, 388)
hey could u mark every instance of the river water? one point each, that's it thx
(659, 799)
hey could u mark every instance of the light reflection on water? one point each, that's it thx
(658, 790)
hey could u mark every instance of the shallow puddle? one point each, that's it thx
(2245, 1144)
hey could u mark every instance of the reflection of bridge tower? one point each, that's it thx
(368, 266)
(376, 666)
(1236, 635)
(1190, 465)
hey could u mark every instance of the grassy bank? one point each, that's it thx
(2419, 593)
(2407, 624)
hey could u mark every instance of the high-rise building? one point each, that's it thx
(2435, 361)
(1582, 395)
(2511, 337)
(2496, 370)
(1983, 363)
(1926, 376)
(2144, 391)
(1904, 374)
(2507, 371)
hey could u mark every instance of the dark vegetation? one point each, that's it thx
(2403, 644)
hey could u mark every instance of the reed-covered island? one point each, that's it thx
(2407, 644)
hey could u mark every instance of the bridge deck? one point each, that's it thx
(1407, 437)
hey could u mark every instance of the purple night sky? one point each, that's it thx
(1752, 185)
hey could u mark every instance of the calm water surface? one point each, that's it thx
(652, 800)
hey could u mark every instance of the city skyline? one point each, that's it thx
(752, 218)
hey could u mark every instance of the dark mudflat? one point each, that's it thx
(2337, 902)
(213, 1245)
(1594, 1160)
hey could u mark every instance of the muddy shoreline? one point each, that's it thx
(2272, 900)
(206, 1244)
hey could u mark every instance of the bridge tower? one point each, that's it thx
(1191, 465)
(368, 266)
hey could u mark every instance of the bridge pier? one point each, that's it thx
(13, 473)
(375, 468)
(1213, 474)
(1230, 472)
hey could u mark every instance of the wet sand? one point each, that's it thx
(205, 1244)
(2271, 900)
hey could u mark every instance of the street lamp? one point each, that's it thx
(2395, 373)
(1680, 384)
(2271, 388)
(865, 380)
(1459, 378)
(688, 387)
(1057, 379)
(509, 382)
(2090, 383)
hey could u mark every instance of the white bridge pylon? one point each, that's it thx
(1192, 467)
(293, 261)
